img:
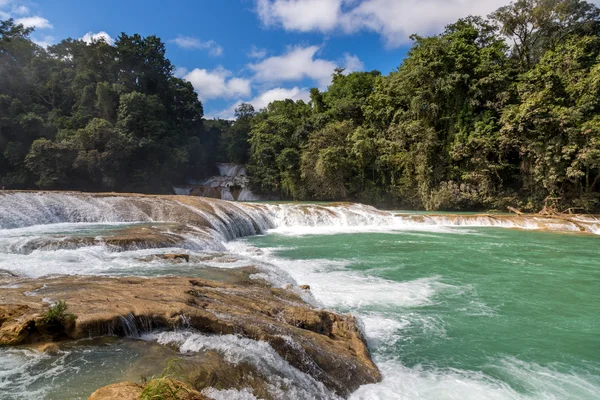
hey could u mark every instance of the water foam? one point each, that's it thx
(286, 382)
(234, 220)
(540, 383)
(335, 286)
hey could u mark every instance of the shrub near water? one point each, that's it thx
(57, 314)
(165, 386)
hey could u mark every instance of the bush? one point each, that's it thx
(164, 386)
(57, 314)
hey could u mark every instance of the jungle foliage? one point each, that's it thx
(95, 116)
(489, 113)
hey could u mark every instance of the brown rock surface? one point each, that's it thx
(553, 223)
(118, 391)
(325, 345)
(143, 236)
(133, 391)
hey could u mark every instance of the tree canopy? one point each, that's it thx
(495, 111)
(489, 113)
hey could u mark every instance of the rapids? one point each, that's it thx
(453, 307)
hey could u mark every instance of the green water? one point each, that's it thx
(505, 313)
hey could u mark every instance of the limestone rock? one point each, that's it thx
(133, 391)
(325, 345)
(118, 391)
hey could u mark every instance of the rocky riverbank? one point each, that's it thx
(550, 223)
(327, 346)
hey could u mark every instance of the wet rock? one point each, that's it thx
(554, 223)
(171, 389)
(168, 257)
(325, 345)
(118, 391)
(175, 257)
(7, 273)
(305, 287)
(132, 238)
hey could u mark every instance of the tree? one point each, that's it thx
(555, 126)
(326, 166)
(235, 139)
(102, 152)
(536, 26)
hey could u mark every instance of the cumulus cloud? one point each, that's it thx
(255, 52)
(394, 20)
(94, 37)
(188, 42)
(44, 42)
(20, 10)
(262, 100)
(295, 93)
(300, 15)
(217, 83)
(181, 72)
(352, 63)
(34, 22)
(297, 64)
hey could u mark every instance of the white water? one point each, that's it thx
(233, 220)
(381, 306)
(286, 382)
(26, 217)
(230, 175)
(231, 170)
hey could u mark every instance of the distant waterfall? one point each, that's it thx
(231, 184)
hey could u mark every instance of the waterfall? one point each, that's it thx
(228, 220)
(231, 220)
(231, 170)
(231, 184)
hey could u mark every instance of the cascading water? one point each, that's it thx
(417, 282)
(231, 184)
(234, 220)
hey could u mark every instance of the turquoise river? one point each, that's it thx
(449, 312)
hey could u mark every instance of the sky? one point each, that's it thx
(254, 51)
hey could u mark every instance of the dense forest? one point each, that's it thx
(495, 112)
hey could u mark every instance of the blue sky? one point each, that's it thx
(253, 50)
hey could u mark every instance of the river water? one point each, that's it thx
(476, 313)
(449, 312)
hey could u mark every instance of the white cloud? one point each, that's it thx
(217, 84)
(255, 52)
(297, 64)
(352, 63)
(44, 42)
(34, 22)
(295, 93)
(300, 15)
(394, 20)
(4, 2)
(188, 42)
(20, 10)
(181, 72)
(300, 63)
(262, 100)
(94, 37)
(4, 15)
